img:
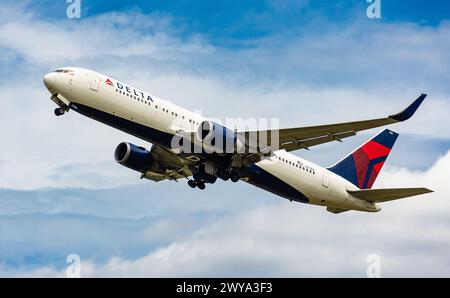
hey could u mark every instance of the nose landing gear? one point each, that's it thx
(59, 111)
(62, 105)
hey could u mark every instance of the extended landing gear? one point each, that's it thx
(62, 106)
(197, 183)
(200, 178)
(223, 174)
(192, 183)
(234, 175)
(201, 185)
(59, 111)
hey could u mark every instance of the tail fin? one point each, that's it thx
(361, 167)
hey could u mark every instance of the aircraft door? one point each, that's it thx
(94, 82)
(325, 180)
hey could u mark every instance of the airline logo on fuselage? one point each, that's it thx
(129, 90)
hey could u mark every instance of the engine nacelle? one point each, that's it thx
(133, 157)
(218, 138)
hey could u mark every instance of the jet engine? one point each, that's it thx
(134, 157)
(218, 138)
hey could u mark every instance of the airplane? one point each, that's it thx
(199, 154)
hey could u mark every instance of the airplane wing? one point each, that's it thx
(387, 194)
(292, 139)
(169, 166)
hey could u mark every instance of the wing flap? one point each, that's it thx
(170, 166)
(387, 194)
(336, 210)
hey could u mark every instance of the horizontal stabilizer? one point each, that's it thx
(387, 194)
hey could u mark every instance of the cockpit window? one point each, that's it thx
(68, 71)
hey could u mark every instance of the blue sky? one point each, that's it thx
(256, 18)
(305, 62)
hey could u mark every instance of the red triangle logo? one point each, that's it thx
(108, 82)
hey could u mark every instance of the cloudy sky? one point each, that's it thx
(301, 61)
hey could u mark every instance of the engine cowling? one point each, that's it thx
(134, 157)
(218, 138)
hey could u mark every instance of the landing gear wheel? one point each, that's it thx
(235, 178)
(224, 175)
(59, 111)
(201, 185)
(234, 175)
(192, 183)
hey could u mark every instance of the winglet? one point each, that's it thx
(410, 110)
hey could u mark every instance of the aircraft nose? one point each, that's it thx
(49, 81)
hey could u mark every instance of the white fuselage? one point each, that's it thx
(84, 87)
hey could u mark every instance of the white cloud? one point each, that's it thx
(109, 35)
(297, 240)
(288, 239)
(341, 74)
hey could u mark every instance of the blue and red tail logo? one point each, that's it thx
(108, 82)
(362, 166)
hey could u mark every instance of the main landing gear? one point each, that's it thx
(200, 178)
(232, 174)
(194, 183)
